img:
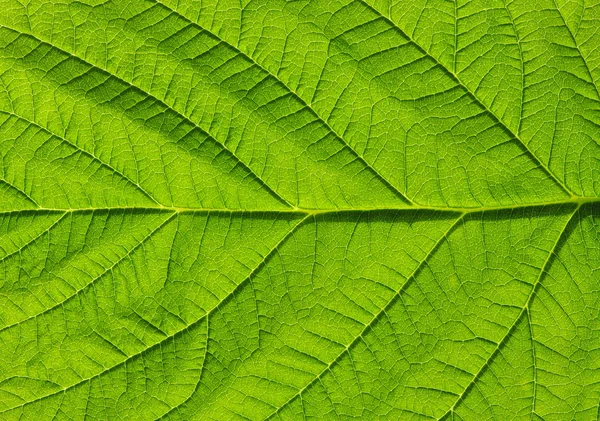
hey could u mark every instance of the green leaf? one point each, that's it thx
(289, 210)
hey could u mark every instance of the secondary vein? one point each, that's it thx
(523, 312)
(298, 97)
(158, 100)
(475, 98)
(375, 318)
(180, 331)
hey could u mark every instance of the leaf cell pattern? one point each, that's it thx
(292, 210)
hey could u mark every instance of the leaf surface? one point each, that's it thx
(288, 210)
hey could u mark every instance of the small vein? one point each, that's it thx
(258, 266)
(587, 68)
(87, 153)
(80, 290)
(522, 60)
(373, 320)
(535, 381)
(523, 312)
(475, 98)
(205, 353)
(161, 102)
(34, 239)
(298, 97)
(20, 192)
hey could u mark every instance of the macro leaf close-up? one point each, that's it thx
(299, 210)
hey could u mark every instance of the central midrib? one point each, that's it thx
(303, 211)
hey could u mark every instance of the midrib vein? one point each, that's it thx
(578, 201)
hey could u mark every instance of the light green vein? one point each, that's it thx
(475, 98)
(87, 153)
(522, 60)
(298, 97)
(34, 239)
(161, 102)
(19, 192)
(535, 379)
(258, 266)
(576, 45)
(577, 200)
(375, 318)
(523, 312)
(80, 290)
(199, 375)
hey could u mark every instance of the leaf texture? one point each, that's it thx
(292, 210)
